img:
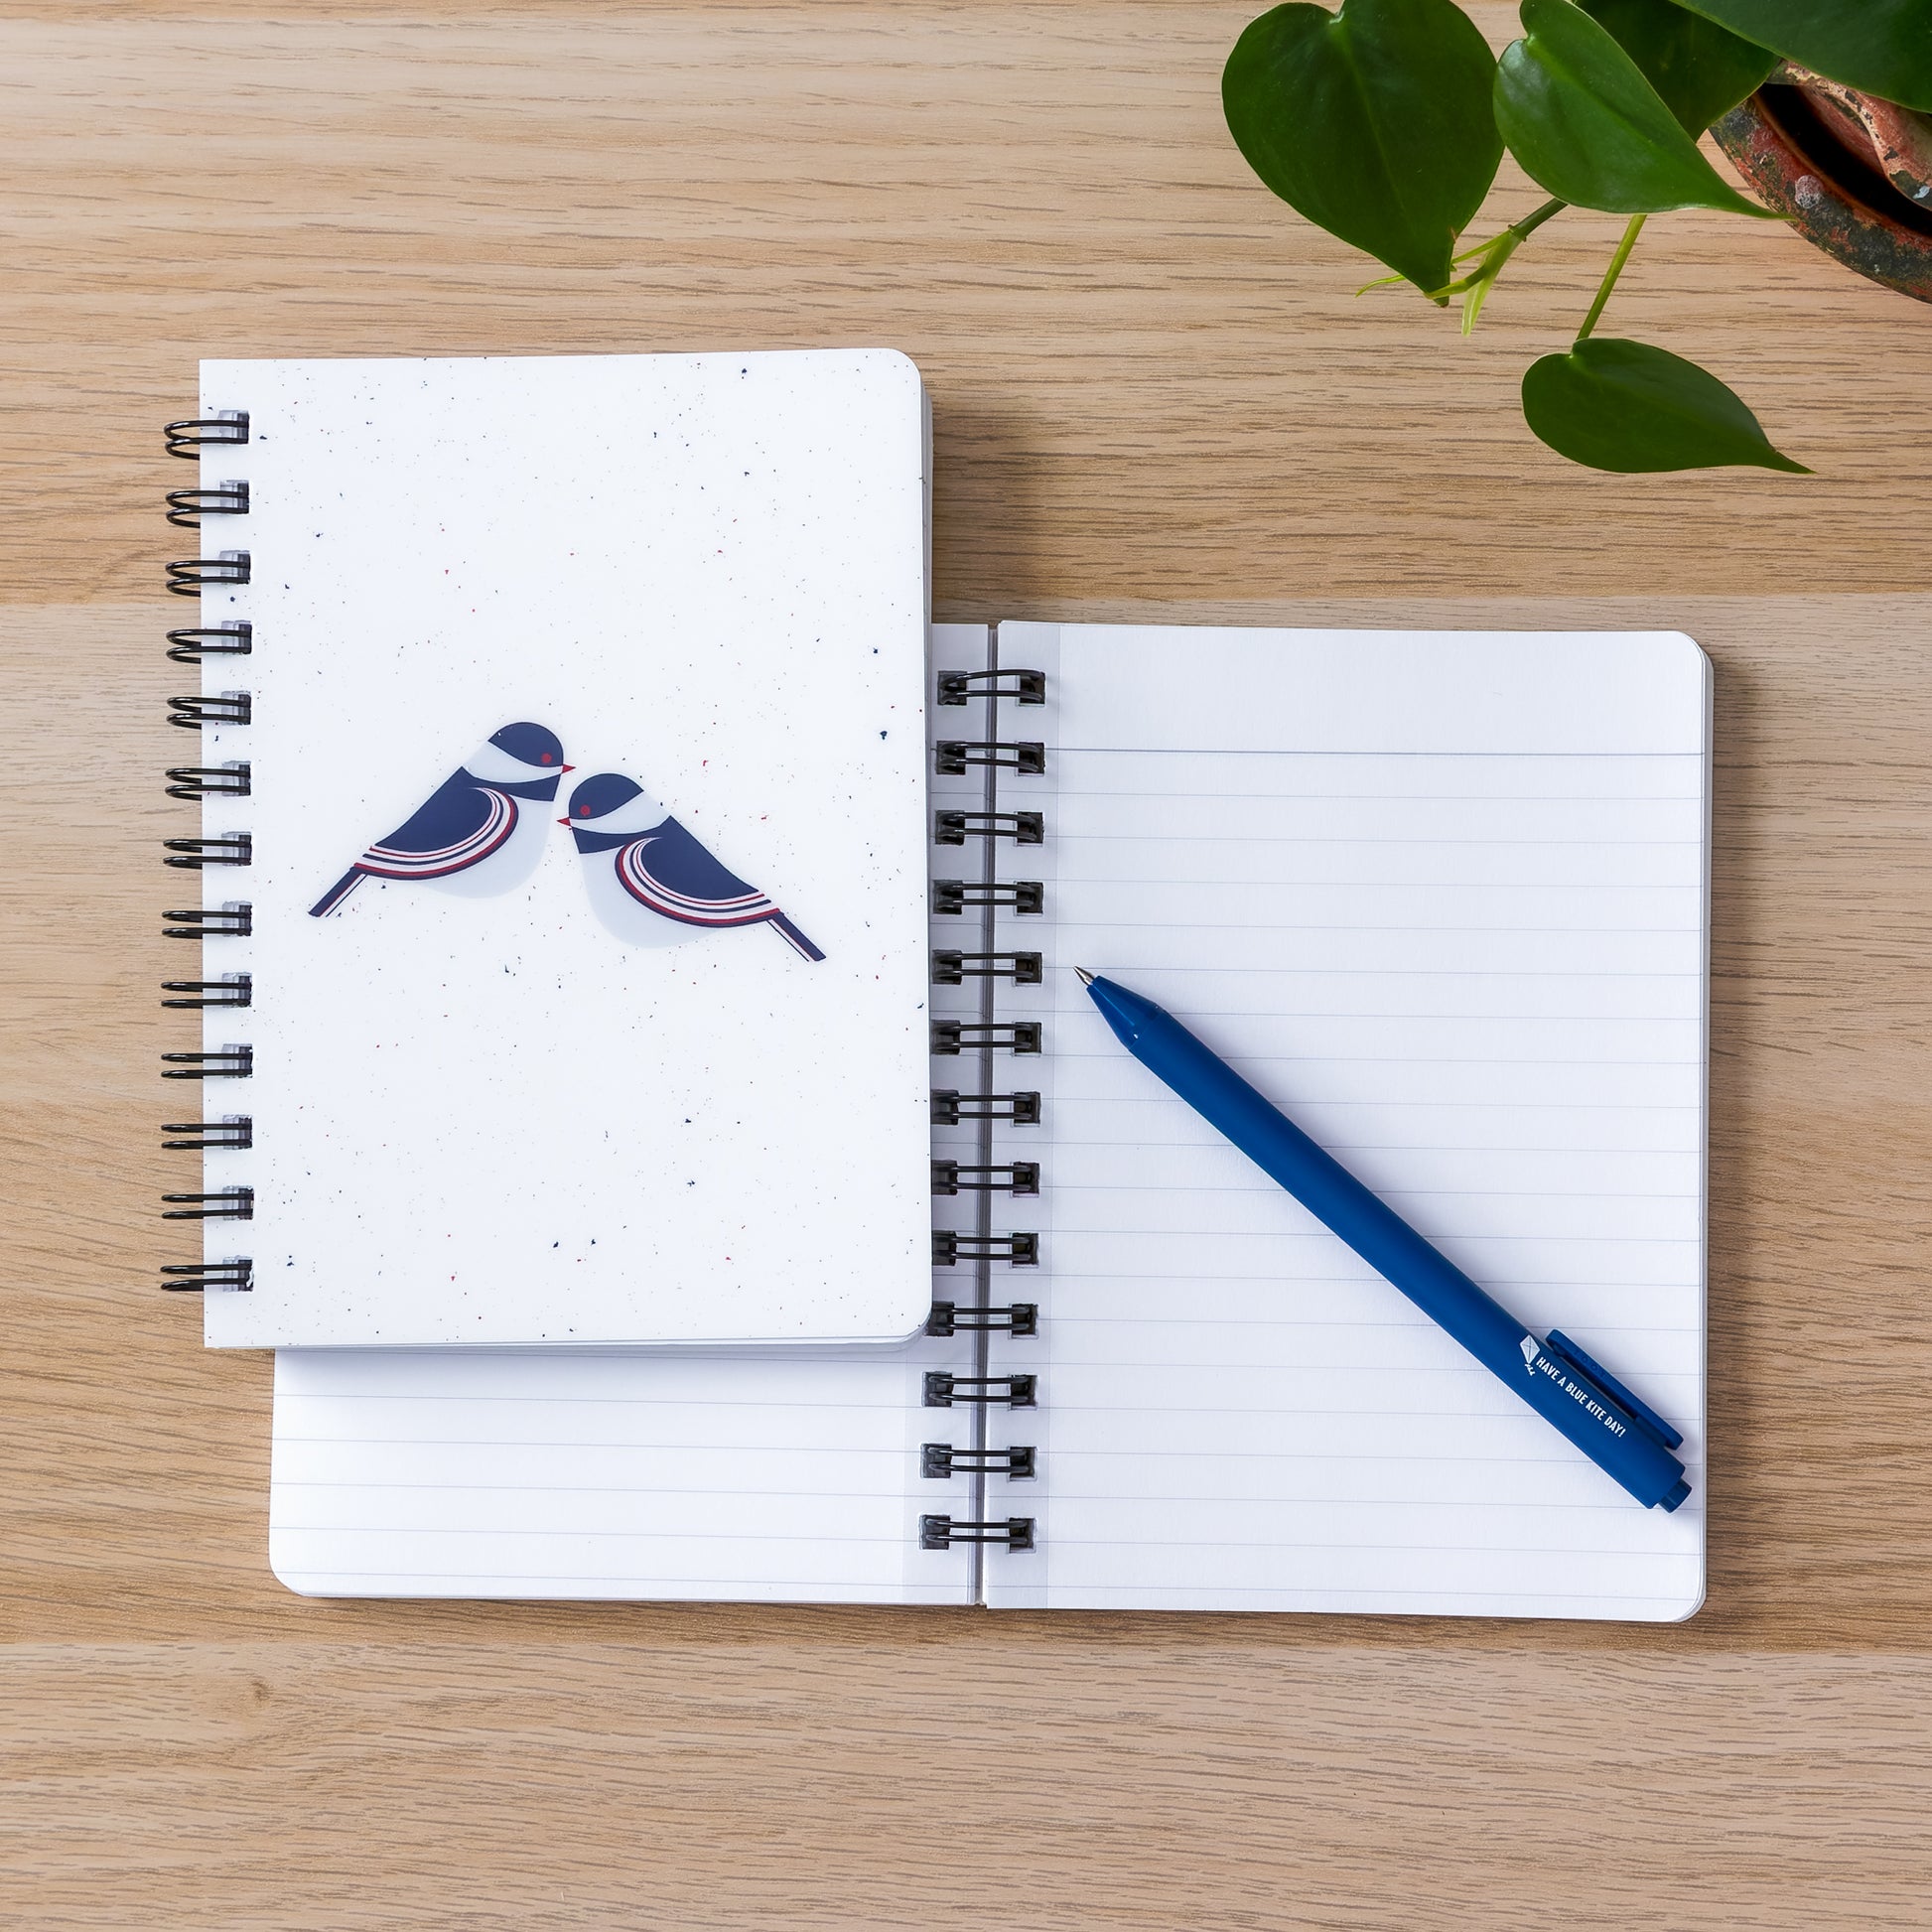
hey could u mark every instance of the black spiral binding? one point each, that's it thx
(223, 711)
(943, 1532)
(955, 828)
(230, 708)
(950, 968)
(237, 1133)
(209, 781)
(192, 1277)
(956, 687)
(950, 1178)
(987, 1175)
(950, 1248)
(190, 576)
(956, 896)
(210, 921)
(952, 756)
(950, 1107)
(942, 1389)
(188, 439)
(195, 641)
(987, 1036)
(940, 1460)
(186, 507)
(224, 1063)
(227, 1204)
(231, 848)
(231, 989)
(1013, 1318)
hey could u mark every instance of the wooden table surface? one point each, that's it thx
(1155, 395)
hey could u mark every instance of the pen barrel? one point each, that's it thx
(1553, 1379)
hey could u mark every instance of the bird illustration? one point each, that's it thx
(650, 882)
(470, 835)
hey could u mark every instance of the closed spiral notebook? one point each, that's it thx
(1442, 895)
(473, 1075)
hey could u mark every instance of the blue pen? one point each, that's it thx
(1627, 1440)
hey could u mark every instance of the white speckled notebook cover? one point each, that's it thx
(656, 1077)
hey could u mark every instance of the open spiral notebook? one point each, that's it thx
(1442, 895)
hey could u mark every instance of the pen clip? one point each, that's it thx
(1566, 1350)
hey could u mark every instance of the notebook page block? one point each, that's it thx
(746, 1478)
(1443, 899)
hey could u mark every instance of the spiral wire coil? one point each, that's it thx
(986, 1177)
(188, 439)
(194, 781)
(192, 642)
(194, 784)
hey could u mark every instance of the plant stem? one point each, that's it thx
(1491, 258)
(1610, 274)
(1495, 251)
(1515, 232)
(1529, 225)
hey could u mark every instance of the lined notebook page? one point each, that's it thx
(743, 1477)
(1443, 899)
(727, 1475)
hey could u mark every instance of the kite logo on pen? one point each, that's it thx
(1529, 1354)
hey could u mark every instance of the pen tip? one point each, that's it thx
(1086, 978)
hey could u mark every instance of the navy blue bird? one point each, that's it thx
(650, 882)
(472, 835)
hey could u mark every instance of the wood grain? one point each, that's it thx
(1155, 396)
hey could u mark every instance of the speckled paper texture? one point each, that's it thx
(492, 1118)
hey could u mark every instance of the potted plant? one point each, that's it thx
(1385, 123)
(1851, 170)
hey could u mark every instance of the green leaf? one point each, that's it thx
(1883, 46)
(1578, 114)
(1630, 408)
(1374, 122)
(1699, 70)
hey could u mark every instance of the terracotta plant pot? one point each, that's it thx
(1853, 174)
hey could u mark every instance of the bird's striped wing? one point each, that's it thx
(670, 872)
(462, 823)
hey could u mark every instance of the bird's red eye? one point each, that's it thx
(546, 757)
(583, 811)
